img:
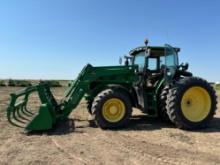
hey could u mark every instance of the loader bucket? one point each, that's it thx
(42, 121)
(19, 115)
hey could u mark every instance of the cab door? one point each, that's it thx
(171, 62)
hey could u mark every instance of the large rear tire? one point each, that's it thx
(162, 104)
(111, 109)
(191, 103)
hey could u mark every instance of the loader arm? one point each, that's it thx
(50, 112)
(103, 75)
(75, 92)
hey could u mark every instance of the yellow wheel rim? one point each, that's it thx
(196, 104)
(113, 110)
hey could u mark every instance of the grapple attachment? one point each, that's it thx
(19, 115)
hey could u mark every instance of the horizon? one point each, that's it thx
(53, 40)
(211, 82)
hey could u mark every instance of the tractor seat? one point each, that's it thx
(156, 75)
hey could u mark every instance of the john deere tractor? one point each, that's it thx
(151, 79)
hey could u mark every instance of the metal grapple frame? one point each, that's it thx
(19, 115)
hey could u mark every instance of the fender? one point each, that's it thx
(123, 88)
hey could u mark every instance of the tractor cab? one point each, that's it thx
(154, 62)
(157, 67)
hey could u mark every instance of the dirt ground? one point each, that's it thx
(76, 142)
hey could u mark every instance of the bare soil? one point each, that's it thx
(76, 141)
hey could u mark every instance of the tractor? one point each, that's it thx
(151, 80)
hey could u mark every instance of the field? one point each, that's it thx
(76, 142)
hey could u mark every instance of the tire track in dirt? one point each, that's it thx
(133, 145)
(191, 141)
(138, 155)
(194, 156)
(71, 156)
(95, 151)
(161, 154)
(98, 144)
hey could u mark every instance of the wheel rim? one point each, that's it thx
(113, 110)
(196, 104)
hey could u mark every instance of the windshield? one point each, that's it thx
(171, 58)
(140, 61)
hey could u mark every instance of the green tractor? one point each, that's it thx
(151, 80)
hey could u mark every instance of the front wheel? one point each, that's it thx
(191, 103)
(89, 106)
(111, 109)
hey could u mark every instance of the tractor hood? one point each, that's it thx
(112, 73)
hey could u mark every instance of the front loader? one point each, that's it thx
(151, 80)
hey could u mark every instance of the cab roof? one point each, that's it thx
(154, 50)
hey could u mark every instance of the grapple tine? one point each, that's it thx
(19, 114)
(16, 117)
(26, 112)
(12, 122)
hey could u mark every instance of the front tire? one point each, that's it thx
(191, 103)
(111, 109)
(89, 106)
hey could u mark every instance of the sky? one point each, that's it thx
(54, 39)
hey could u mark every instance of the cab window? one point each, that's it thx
(152, 64)
(140, 61)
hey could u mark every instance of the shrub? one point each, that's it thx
(54, 83)
(217, 86)
(18, 83)
(11, 83)
(23, 83)
(2, 83)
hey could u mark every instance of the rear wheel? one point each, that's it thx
(162, 104)
(192, 103)
(111, 109)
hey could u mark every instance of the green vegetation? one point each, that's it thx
(2, 83)
(26, 83)
(23, 83)
(19, 83)
(217, 86)
(11, 83)
(54, 83)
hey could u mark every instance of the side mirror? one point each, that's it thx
(186, 66)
